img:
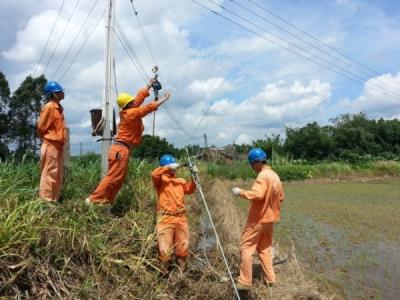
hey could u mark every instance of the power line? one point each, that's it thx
(130, 55)
(48, 38)
(280, 45)
(311, 36)
(81, 27)
(131, 49)
(344, 61)
(355, 76)
(201, 120)
(115, 78)
(61, 35)
(82, 46)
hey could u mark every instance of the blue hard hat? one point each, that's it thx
(52, 87)
(256, 154)
(166, 160)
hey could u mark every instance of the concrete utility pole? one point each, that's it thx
(108, 88)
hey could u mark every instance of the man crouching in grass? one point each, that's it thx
(265, 196)
(172, 225)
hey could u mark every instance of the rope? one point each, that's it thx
(199, 188)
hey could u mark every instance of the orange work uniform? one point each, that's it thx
(265, 196)
(172, 225)
(130, 131)
(51, 129)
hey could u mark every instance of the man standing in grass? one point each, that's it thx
(172, 225)
(51, 129)
(130, 131)
(265, 197)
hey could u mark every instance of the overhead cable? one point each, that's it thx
(48, 38)
(81, 27)
(353, 78)
(348, 61)
(61, 35)
(82, 45)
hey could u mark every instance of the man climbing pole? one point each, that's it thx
(265, 197)
(172, 226)
(130, 130)
(51, 129)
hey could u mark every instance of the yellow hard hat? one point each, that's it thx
(123, 99)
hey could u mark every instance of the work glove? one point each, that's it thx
(194, 169)
(174, 166)
(236, 191)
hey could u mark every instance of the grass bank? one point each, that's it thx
(73, 251)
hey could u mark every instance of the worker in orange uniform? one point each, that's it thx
(51, 129)
(265, 199)
(130, 130)
(172, 226)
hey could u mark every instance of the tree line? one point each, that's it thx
(18, 115)
(349, 137)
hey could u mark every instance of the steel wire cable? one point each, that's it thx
(144, 33)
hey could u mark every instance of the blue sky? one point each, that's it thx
(253, 86)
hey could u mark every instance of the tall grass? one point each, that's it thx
(73, 251)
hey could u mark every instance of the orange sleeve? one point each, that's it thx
(141, 95)
(146, 109)
(157, 175)
(166, 178)
(45, 120)
(189, 187)
(257, 192)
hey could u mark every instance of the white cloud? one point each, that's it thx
(275, 105)
(375, 101)
(210, 88)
